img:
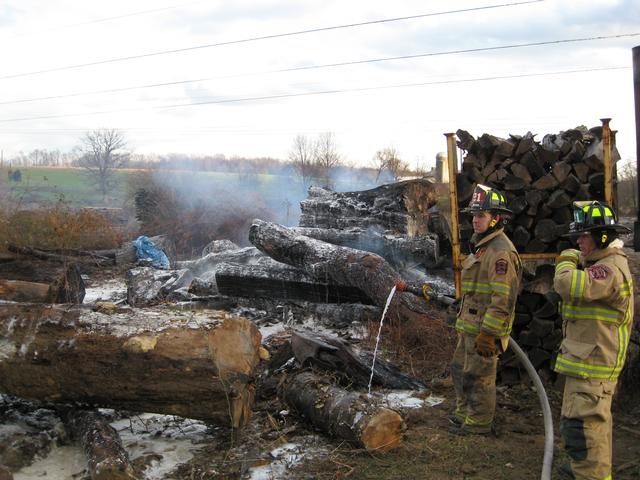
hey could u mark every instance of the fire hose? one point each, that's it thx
(431, 294)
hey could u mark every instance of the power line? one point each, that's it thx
(326, 65)
(263, 37)
(106, 19)
(307, 94)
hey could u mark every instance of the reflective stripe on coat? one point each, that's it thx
(597, 313)
(490, 283)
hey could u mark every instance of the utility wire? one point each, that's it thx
(264, 37)
(315, 67)
(308, 94)
(103, 20)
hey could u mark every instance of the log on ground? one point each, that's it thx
(106, 457)
(189, 364)
(347, 415)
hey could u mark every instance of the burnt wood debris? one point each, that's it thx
(337, 267)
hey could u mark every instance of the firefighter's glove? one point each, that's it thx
(569, 255)
(486, 345)
(401, 286)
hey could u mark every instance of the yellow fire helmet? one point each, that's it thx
(592, 215)
(486, 199)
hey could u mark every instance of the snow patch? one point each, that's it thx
(284, 458)
(7, 349)
(114, 289)
(62, 463)
(404, 399)
(173, 439)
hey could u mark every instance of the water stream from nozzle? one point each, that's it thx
(375, 350)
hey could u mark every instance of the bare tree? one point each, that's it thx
(101, 152)
(301, 157)
(326, 156)
(388, 159)
(627, 187)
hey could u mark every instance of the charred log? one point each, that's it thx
(401, 207)
(284, 282)
(397, 249)
(339, 265)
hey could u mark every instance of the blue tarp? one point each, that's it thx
(146, 251)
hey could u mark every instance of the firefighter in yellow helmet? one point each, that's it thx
(597, 312)
(490, 282)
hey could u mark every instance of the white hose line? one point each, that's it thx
(547, 460)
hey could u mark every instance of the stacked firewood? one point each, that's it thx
(540, 180)
(537, 326)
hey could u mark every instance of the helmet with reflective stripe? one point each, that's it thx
(592, 215)
(486, 199)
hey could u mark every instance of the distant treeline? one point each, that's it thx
(171, 161)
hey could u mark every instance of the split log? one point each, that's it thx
(336, 355)
(339, 265)
(106, 457)
(69, 288)
(346, 415)
(189, 364)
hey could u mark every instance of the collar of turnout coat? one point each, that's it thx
(484, 240)
(599, 253)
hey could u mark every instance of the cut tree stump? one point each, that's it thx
(347, 415)
(190, 364)
(68, 288)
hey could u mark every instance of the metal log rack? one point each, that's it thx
(452, 160)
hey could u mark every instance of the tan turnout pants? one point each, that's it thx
(474, 380)
(586, 426)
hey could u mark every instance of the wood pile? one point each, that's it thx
(374, 219)
(537, 326)
(540, 180)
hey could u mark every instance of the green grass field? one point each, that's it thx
(46, 185)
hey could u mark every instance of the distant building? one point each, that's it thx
(442, 168)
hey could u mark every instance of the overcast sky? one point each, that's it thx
(245, 98)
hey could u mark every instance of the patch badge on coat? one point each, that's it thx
(599, 272)
(501, 267)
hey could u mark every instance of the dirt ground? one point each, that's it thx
(428, 449)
